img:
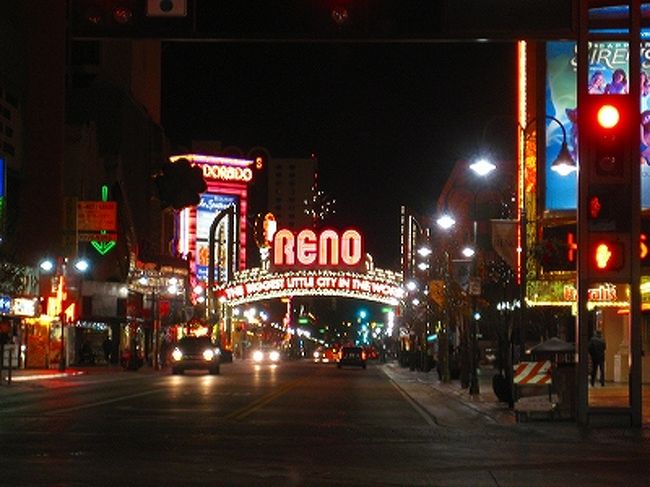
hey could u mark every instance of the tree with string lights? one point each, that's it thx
(319, 206)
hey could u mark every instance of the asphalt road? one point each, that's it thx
(297, 423)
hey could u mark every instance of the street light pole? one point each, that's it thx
(474, 388)
(481, 168)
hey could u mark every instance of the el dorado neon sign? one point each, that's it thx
(309, 249)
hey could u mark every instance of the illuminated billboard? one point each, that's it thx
(227, 179)
(608, 74)
(206, 211)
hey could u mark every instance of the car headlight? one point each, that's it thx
(208, 354)
(316, 354)
(274, 356)
(258, 355)
(177, 355)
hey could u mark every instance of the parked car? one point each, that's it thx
(352, 356)
(195, 353)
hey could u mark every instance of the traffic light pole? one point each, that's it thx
(609, 175)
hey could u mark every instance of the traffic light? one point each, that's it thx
(180, 184)
(609, 144)
(607, 254)
(131, 18)
(608, 159)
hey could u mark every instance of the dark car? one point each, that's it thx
(352, 356)
(195, 353)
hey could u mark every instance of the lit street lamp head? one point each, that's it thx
(468, 252)
(81, 265)
(482, 167)
(564, 163)
(47, 265)
(445, 222)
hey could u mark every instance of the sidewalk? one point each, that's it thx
(416, 383)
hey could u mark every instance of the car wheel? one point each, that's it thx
(364, 366)
(338, 366)
(215, 371)
(177, 371)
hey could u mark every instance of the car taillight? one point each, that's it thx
(363, 355)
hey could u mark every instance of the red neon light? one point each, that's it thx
(572, 246)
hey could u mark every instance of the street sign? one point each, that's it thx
(97, 215)
(97, 236)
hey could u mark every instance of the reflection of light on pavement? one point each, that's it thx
(25, 378)
(207, 384)
(176, 382)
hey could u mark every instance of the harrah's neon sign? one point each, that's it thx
(309, 249)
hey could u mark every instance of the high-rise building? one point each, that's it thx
(290, 183)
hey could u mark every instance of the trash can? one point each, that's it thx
(564, 384)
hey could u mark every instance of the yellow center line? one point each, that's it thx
(242, 413)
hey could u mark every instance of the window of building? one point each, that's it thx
(9, 148)
(12, 100)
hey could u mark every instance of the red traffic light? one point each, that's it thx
(608, 116)
(608, 137)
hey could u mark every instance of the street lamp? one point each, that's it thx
(564, 164)
(62, 302)
(482, 168)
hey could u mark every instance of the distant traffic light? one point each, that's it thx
(180, 184)
(610, 155)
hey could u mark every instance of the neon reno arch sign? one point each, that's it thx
(307, 249)
(310, 263)
(381, 287)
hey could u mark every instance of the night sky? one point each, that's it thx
(386, 121)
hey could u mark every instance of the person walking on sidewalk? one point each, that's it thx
(597, 348)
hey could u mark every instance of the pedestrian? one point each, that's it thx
(597, 348)
(106, 347)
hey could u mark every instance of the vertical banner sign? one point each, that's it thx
(207, 210)
(3, 199)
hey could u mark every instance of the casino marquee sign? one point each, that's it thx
(307, 263)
